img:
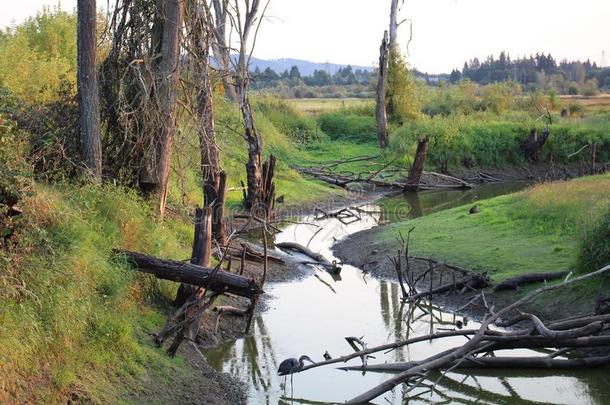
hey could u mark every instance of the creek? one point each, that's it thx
(313, 314)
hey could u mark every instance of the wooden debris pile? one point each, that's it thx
(376, 174)
(485, 346)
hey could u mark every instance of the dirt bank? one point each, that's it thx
(364, 251)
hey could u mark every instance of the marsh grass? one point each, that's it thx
(538, 229)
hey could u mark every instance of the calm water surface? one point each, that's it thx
(312, 315)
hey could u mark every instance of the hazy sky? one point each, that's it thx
(445, 32)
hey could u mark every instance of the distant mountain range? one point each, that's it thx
(305, 67)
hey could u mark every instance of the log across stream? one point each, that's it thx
(314, 314)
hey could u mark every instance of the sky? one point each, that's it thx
(445, 32)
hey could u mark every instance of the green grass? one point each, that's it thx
(534, 230)
(73, 317)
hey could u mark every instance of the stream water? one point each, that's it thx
(314, 314)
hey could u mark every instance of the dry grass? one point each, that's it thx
(316, 106)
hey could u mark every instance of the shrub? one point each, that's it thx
(288, 120)
(349, 126)
(594, 248)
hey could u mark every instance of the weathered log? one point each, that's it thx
(333, 267)
(514, 283)
(435, 363)
(496, 362)
(212, 279)
(469, 282)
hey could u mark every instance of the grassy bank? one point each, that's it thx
(535, 230)
(73, 319)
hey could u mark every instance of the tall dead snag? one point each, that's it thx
(88, 97)
(222, 51)
(417, 168)
(154, 174)
(202, 250)
(534, 142)
(380, 111)
(197, 43)
(243, 21)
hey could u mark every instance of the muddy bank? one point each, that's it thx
(200, 383)
(363, 250)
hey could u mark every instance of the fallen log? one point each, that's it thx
(514, 283)
(469, 282)
(215, 280)
(333, 267)
(494, 362)
(435, 363)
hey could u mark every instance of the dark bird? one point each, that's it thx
(291, 366)
(327, 355)
(475, 210)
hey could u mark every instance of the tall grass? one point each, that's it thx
(71, 313)
(538, 229)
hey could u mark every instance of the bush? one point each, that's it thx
(349, 126)
(594, 248)
(288, 120)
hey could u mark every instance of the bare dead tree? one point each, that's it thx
(381, 110)
(246, 17)
(197, 42)
(155, 173)
(139, 88)
(88, 96)
(221, 47)
(389, 45)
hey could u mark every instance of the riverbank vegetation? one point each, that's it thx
(536, 230)
(73, 319)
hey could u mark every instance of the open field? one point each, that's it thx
(313, 106)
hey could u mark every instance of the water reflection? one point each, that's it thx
(314, 315)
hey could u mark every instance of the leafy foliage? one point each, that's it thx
(403, 96)
(38, 55)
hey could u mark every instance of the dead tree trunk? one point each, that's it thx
(155, 174)
(215, 280)
(221, 49)
(214, 180)
(393, 24)
(380, 111)
(534, 142)
(88, 96)
(202, 251)
(243, 21)
(417, 168)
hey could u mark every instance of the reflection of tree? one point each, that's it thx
(481, 395)
(413, 200)
(385, 306)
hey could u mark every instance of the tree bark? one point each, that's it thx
(393, 24)
(380, 111)
(202, 251)
(215, 280)
(222, 51)
(514, 283)
(214, 180)
(88, 94)
(417, 168)
(155, 175)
